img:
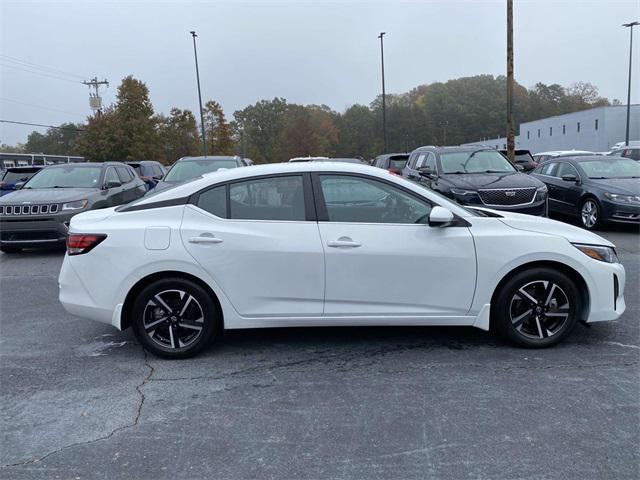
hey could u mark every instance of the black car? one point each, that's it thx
(523, 158)
(150, 171)
(38, 214)
(480, 177)
(188, 168)
(394, 162)
(595, 189)
(14, 177)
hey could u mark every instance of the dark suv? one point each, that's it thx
(38, 214)
(150, 171)
(480, 177)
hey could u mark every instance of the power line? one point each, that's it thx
(38, 66)
(41, 107)
(40, 73)
(41, 125)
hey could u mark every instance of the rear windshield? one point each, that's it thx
(399, 164)
(183, 171)
(66, 177)
(14, 177)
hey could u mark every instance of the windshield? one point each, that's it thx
(14, 176)
(480, 161)
(611, 168)
(183, 171)
(66, 177)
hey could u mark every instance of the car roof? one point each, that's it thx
(393, 155)
(581, 158)
(456, 148)
(86, 164)
(211, 158)
(24, 168)
(565, 152)
(188, 188)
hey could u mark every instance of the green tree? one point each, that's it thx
(262, 125)
(177, 135)
(56, 141)
(308, 131)
(217, 130)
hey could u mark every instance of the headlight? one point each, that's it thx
(77, 205)
(460, 191)
(616, 197)
(541, 192)
(598, 252)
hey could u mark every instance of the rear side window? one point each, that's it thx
(548, 169)
(633, 153)
(214, 201)
(275, 198)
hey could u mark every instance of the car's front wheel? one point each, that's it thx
(174, 318)
(536, 308)
(590, 214)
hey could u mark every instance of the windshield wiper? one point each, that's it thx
(496, 171)
(457, 172)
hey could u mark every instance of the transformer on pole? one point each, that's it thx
(95, 100)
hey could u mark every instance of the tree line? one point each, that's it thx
(442, 113)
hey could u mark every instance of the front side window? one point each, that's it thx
(275, 198)
(420, 160)
(547, 169)
(214, 201)
(111, 176)
(66, 177)
(124, 174)
(363, 200)
(566, 169)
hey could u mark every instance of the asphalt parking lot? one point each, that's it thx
(81, 400)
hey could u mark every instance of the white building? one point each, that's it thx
(596, 130)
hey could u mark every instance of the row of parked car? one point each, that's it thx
(594, 188)
(40, 201)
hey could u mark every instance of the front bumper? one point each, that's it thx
(606, 291)
(37, 231)
(620, 212)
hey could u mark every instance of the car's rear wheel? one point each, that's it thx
(5, 249)
(590, 213)
(536, 308)
(174, 318)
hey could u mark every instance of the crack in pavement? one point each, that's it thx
(136, 419)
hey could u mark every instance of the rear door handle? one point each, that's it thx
(205, 239)
(343, 242)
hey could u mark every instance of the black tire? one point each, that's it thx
(552, 317)
(586, 219)
(174, 306)
(6, 249)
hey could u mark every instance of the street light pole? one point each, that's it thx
(511, 133)
(630, 26)
(195, 53)
(384, 103)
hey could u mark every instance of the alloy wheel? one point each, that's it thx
(539, 309)
(589, 213)
(173, 319)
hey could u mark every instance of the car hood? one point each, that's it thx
(531, 223)
(625, 186)
(47, 195)
(474, 181)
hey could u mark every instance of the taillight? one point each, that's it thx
(79, 243)
(395, 171)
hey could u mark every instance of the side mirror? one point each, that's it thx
(569, 178)
(18, 185)
(440, 217)
(112, 184)
(158, 177)
(426, 172)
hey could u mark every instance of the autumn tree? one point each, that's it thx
(177, 135)
(262, 125)
(218, 131)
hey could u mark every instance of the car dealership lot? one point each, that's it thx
(80, 399)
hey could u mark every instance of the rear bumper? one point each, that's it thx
(34, 232)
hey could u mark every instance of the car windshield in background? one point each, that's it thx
(399, 164)
(66, 177)
(523, 157)
(480, 161)
(183, 171)
(609, 168)
(13, 177)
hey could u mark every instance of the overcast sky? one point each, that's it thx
(317, 52)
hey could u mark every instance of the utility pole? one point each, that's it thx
(384, 106)
(195, 53)
(242, 143)
(630, 27)
(95, 100)
(511, 143)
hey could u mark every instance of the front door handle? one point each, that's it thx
(205, 239)
(343, 242)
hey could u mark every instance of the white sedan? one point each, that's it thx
(325, 243)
